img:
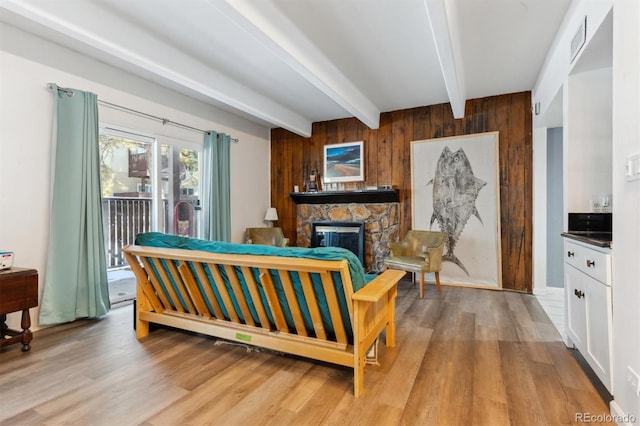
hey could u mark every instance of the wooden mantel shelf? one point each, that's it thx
(343, 197)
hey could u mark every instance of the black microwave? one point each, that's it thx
(590, 222)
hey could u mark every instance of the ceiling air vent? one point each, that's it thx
(578, 40)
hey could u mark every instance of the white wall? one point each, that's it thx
(587, 138)
(626, 205)
(625, 130)
(555, 214)
(557, 65)
(548, 93)
(28, 63)
(539, 207)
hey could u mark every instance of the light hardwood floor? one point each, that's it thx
(463, 357)
(553, 304)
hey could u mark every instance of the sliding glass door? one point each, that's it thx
(147, 185)
(180, 186)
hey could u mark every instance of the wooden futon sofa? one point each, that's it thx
(315, 303)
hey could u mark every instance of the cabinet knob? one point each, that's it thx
(579, 294)
(590, 263)
(570, 254)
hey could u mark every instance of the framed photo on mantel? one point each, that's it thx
(343, 162)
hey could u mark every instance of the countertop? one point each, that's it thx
(598, 239)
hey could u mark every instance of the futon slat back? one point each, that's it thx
(290, 295)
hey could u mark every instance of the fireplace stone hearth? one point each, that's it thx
(381, 225)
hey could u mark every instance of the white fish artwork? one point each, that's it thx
(455, 190)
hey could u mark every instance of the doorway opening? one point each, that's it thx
(147, 185)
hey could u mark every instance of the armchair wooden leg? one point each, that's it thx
(421, 285)
(438, 281)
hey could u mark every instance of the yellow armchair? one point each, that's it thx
(419, 252)
(266, 236)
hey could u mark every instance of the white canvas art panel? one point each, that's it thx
(456, 189)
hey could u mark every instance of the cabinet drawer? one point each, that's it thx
(592, 261)
(573, 255)
(598, 265)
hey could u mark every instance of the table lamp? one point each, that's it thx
(271, 215)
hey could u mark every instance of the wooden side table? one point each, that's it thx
(18, 292)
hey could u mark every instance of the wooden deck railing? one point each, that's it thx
(124, 219)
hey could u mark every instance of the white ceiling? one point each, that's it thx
(289, 63)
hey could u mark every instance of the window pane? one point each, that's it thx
(181, 190)
(136, 200)
(126, 178)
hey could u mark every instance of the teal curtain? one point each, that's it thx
(76, 275)
(215, 187)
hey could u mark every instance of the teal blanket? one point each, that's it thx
(358, 278)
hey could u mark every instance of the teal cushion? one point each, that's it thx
(358, 277)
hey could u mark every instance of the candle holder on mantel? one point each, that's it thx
(344, 186)
(312, 184)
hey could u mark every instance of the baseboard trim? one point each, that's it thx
(540, 291)
(619, 416)
(601, 389)
(547, 290)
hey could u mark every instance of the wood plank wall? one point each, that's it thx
(387, 152)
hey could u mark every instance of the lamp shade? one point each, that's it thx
(271, 214)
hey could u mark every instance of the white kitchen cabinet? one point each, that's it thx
(589, 309)
(576, 308)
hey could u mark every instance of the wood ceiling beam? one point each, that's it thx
(271, 28)
(179, 70)
(448, 55)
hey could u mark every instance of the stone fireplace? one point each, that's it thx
(380, 215)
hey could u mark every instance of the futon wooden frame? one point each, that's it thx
(196, 290)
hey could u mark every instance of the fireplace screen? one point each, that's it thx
(349, 235)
